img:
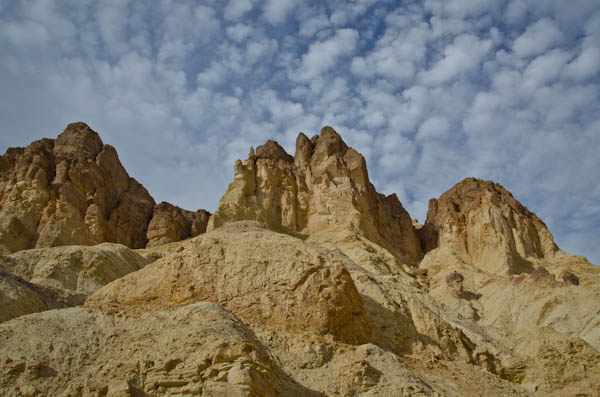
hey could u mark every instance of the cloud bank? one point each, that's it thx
(429, 91)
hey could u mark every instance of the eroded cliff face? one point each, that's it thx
(483, 221)
(170, 223)
(74, 190)
(323, 192)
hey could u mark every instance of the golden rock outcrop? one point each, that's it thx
(263, 277)
(324, 193)
(484, 221)
(74, 190)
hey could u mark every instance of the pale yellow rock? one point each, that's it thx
(263, 277)
(198, 349)
(323, 192)
(82, 269)
(19, 297)
(537, 323)
(51, 278)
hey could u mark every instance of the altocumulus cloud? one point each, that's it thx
(430, 91)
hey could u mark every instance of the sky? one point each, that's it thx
(430, 92)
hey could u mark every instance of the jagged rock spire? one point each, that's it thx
(324, 187)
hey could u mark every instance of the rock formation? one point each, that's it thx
(199, 349)
(170, 223)
(323, 192)
(263, 277)
(484, 221)
(50, 278)
(74, 190)
(308, 282)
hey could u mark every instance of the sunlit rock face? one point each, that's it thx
(323, 192)
(485, 222)
(74, 190)
(70, 190)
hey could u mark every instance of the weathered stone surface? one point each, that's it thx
(19, 297)
(199, 349)
(263, 277)
(170, 223)
(74, 190)
(51, 278)
(71, 190)
(484, 221)
(81, 269)
(323, 192)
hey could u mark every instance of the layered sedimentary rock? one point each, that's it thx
(170, 223)
(492, 261)
(483, 220)
(74, 190)
(323, 192)
(263, 277)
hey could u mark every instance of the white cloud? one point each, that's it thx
(463, 54)
(237, 8)
(515, 12)
(276, 11)
(586, 65)
(432, 128)
(462, 8)
(397, 55)
(538, 37)
(313, 23)
(323, 55)
(544, 69)
(239, 32)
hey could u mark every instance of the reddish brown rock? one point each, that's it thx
(484, 221)
(74, 190)
(170, 223)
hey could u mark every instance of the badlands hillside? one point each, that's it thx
(305, 282)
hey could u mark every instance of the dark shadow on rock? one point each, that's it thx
(470, 296)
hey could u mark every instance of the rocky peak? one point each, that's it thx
(324, 187)
(78, 141)
(272, 150)
(483, 220)
(74, 190)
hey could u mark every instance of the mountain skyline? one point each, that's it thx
(430, 92)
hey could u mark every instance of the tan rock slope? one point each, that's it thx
(493, 262)
(199, 349)
(308, 282)
(74, 190)
(50, 278)
(261, 276)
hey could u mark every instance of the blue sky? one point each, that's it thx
(429, 91)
